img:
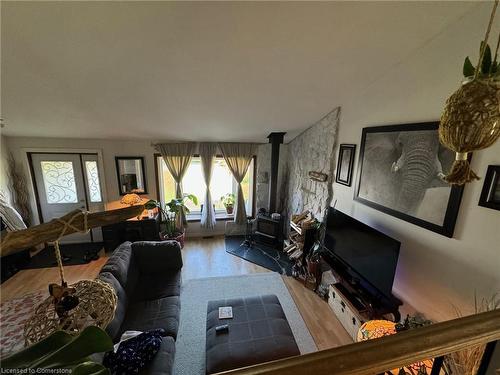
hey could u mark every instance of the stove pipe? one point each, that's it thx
(275, 139)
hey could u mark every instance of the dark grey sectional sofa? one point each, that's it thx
(147, 278)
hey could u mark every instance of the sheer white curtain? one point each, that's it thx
(207, 152)
(238, 157)
(177, 157)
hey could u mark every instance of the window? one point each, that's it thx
(222, 183)
(93, 181)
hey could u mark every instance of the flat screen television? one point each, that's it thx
(362, 251)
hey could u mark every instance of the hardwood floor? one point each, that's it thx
(207, 257)
(27, 281)
(202, 258)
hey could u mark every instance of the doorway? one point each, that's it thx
(65, 182)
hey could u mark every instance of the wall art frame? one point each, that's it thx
(345, 164)
(400, 172)
(490, 194)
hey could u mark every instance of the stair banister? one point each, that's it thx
(389, 352)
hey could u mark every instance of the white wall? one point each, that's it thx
(434, 271)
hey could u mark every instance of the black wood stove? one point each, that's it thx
(268, 230)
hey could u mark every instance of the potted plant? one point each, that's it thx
(228, 202)
(60, 350)
(172, 227)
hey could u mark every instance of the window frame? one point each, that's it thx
(219, 216)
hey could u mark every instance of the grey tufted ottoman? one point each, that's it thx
(258, 332)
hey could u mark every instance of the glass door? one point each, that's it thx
(66, 182)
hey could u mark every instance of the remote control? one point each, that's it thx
(221, 329)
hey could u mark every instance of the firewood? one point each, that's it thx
(297, 218)
(19, 240)
(307, 223)
(296, 254)
(306, 219)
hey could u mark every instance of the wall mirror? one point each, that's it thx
(131, 176)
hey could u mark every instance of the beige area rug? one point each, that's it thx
(195, 294)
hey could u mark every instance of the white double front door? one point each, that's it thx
(67, 182)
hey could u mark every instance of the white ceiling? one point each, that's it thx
(201, 70)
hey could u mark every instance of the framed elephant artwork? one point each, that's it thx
(401, 170)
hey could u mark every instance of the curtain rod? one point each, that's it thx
(159, 143)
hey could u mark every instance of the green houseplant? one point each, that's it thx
(228, 202)
(172, 227)
(60, 350)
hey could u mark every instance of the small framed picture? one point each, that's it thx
(490, 195)
(345, 164)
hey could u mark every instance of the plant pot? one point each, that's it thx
(229, 210)
(179, 237)
(313, 266)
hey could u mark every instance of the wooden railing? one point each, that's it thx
(386, 353)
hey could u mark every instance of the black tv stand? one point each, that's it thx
(368, 301)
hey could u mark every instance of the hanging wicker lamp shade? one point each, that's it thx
(96, 307)
(470, 122)
(71, 308)
(471, 117)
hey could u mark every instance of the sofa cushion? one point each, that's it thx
(163, 361)
(123, 267)
(113, 327)
(146, 315)
(157, 285)
(157, 256)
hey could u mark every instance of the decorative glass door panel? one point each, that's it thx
(59, 182)
(93, 184)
